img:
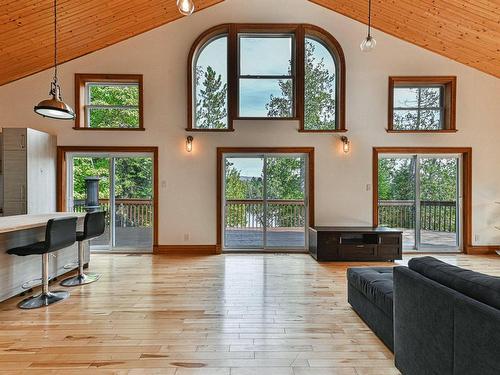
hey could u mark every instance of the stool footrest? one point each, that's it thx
(44, 299)
(83, 279)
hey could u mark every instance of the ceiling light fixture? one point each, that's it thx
(186, 7)
(369, 43)
(55, 107)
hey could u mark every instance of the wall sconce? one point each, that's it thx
(189, 144)
(346, 144)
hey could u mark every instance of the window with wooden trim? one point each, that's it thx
(422, 104)
(108, 102)
(266, 71)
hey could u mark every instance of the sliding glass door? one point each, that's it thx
(125, 193)
(420, 194)
(265, 201)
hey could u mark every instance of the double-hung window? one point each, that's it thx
(421, 104)
(109, 102)
(266, 76)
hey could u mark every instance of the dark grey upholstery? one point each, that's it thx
(370, 293)
(446, 322)
(476, 285)
(93, 226)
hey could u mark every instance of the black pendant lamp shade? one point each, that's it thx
(55, 106)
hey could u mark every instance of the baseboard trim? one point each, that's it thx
(185, 249)
(481, 250)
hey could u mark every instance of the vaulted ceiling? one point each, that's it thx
(467, 31)
(85, 26)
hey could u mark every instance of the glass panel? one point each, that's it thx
(113, 118)
(405, 119)
(396, 200)
(113, 94)
(286, 211)
(210, 86)
(320, 87)
(430, 97)
(266, 55)
(430, 120)
(266, 98)
(88, 167)
(438, 200)
(405, 97)
(244, 203)
(134, 203)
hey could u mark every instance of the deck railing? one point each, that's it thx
(129, 212)
(440, 216)
(240, 213)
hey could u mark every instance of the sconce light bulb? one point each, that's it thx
(346, 144)
(189, 144)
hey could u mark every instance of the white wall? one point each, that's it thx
(187, 204)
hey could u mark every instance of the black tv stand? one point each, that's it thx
(355, 243)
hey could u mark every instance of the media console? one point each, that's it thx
(355, 243)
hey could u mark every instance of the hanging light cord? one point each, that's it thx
(369, 18)
(55, 40)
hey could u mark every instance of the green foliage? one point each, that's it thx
(396, 178)
(87, 167)
(422, 118)
(319, 105)
(285, 179)
(134, 177)
(109, 96)
(211, 112)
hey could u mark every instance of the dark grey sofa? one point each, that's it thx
(369, 291)
(446, 318)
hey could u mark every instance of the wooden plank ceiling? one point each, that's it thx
(467, 31)
(85, 26)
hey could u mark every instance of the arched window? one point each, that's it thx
(266, 71)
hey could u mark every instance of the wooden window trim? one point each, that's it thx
(450, 97)
(262, 150)
(300, 31)
(81, 79)
(466, 153)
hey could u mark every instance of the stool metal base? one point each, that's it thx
(42, 300)
(85, 278)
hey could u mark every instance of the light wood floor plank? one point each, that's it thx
(209, 315)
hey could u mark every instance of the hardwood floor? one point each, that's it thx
(229, 314)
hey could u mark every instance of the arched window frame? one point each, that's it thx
(300, 31)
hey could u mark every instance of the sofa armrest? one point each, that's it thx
(423, 324)
(477, 338)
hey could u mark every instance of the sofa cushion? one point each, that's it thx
(481, 287)
(376, 284)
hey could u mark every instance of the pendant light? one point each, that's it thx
(369, 43)
(55, 107)
(186, 7)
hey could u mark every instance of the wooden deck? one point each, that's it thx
(259, 314)
(284, 238)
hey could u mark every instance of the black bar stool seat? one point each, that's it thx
(59, 234)
(94, 226)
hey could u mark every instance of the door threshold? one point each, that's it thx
(264, 251)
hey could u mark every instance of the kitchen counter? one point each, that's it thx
(20, 230)
(21, 222)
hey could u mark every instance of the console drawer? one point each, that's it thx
(357, 251)
(389, 251)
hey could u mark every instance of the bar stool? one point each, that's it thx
(94, 225)
(60, 233)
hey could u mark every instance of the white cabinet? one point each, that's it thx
(29, 171)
